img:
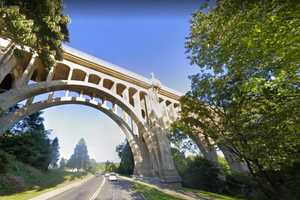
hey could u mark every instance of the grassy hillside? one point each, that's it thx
(28, 181)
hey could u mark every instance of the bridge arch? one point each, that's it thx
(154, 140)
(139, 149)
(13, 96)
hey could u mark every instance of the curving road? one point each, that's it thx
(100, 188)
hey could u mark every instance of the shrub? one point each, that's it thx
(202, 174)
(11, 184)
(242, 185)
(3, 162)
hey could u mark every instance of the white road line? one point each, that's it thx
(98, 190)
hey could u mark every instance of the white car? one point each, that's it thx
(112, 177)
(106, 174)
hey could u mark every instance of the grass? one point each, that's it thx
(23, 182)
(152, 193)
(50, 181)
(208, 195)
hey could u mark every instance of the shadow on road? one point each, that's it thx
(128, 187)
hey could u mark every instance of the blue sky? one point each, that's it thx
(143, 38)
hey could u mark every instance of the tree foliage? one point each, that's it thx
(40, 25)
(30, 123)
(62, 163)
(202, 174)
(199, 173)
(92, 168)
(110, 166)
(55, 153)
(127, 163)
(247, 94)
(80, 158)
(28, 141)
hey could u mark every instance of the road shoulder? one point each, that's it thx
(166, 191)
(62, 189)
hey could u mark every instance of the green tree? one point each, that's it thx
(80, 158)
(127, 163)
(32, 147)
(110, 167)
(202, 174)
(180, 161)
(33, 122)
(92, 166)
(246, 96)
(28, 141)
(71, 162)
(183, 141)
(40, 25)
(62, 163)
(55, 153)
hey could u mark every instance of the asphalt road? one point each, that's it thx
(100, 188)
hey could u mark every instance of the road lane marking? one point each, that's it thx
(98, 190)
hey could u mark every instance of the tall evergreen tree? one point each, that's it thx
(71, 162)
(62, 163)
(55, 153)
(127, 163)
(80, 158)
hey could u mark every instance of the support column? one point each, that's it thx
(167, 170)
(104, 103)
(86, 79)
(7, 51)
(29, 101)
(234, 163)
(137, 103)
(70, 74)
(94, 98)
(27, 74)
(7, 66)
(207, 149)
(114, 88)
(160, 144)
(142, 163)
(126, 95)
(50, 74)
(101, 82)
(125, 116)
(67, 93)
(50, 96)
(114, 108)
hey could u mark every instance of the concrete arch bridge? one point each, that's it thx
(143, 108)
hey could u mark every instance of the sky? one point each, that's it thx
(140, 36)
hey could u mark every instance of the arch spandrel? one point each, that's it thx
(13, 96)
